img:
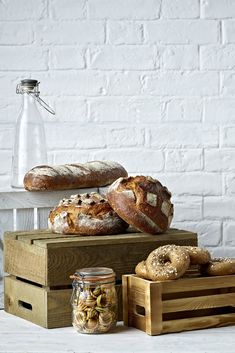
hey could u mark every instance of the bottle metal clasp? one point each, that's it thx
(35, 94)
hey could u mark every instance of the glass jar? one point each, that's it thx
(30, 141)
(94, 300)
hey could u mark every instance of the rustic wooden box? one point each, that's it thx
(39, 264)
(178, 305)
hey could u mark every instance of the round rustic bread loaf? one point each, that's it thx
(142, 202)
(85, 214)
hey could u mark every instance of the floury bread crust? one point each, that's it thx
(143, 202)
(73, 176)
(85, 214)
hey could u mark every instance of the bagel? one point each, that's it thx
(198, 256)
(167, 262)
(219, 267)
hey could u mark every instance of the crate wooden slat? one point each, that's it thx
(48, 259)
(178, 305)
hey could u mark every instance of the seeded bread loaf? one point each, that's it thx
(73, 176)
(85, 214)
(143, 202)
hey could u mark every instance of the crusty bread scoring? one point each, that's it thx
(85, 214)
(73, 176)
(142, 202)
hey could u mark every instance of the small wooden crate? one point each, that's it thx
(39, 264)
(44, 306)
(178, 305)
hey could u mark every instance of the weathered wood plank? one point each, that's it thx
(201, 283)
(25, 219)
(26, 301)
(195, 323)
(43, 213)
(179, 238)
(202, 302)
(26, 199)
(23, 260)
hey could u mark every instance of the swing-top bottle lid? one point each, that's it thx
(28, 84)
(31, 87)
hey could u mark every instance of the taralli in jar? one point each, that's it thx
(94, 300)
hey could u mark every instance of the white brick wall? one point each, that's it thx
(149, 83)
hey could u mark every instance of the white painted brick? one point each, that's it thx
(26, 10)
(67, 58)
(124, 57)
(71, 135)
(67, 33)
(151, 161)
(124, 9)
(228, 233)
(209, 232)
(5, 158)
(133, 110)
(187, 209)
(25, 58)
(217, 57)
(9, 108)
(6, 136)
(228, 136)
(228, 83)
(124, 32)
(187, 84)
(64, 9)
(184, 160)
(228, 29)
(18, 33)
(124, 83)
(125, 137)
(219, 110)
(70, 109)
(8, 82)
(192, 183)
(219, 160)
(71, 156)
(180, 57)
(184, 110)
(182, 136)
(222, 251)
(73, 83)
(180, 9)
(182, 31)
(219, 207)
(218, 8)
(230, 184)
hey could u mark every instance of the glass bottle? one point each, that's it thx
(94, 300)
(30, 141)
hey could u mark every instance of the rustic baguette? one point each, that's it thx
(73, 176)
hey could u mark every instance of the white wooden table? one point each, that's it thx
(20, 336)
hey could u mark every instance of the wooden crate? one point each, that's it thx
(44, 306)
(43, 261)
(49, 259)
(178, 305)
